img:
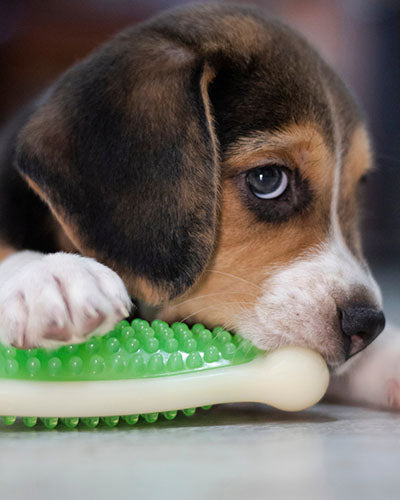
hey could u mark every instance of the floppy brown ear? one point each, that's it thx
(124, 153)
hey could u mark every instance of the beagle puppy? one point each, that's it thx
(208, 163)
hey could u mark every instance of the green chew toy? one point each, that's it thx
(142, 369)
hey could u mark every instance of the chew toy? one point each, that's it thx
(138, 369)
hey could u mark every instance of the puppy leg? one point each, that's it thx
(371, 378)
(48, 299)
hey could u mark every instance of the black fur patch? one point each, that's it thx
(134, 175)
(124, 181)
(25, 221)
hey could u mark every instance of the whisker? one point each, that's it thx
(213, 305)
(211, 295)
(283, 337)
(229, 275)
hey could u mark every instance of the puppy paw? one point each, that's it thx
(393, 393)
(60, 298)
(372, 377)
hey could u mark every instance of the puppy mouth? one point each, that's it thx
(334, 350)
(324, 336)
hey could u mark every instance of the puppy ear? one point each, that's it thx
(123, 151)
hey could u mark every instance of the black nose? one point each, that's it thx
(360, 326)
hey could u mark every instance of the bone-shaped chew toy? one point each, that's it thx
(138, 369)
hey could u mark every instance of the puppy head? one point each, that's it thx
(213, 159)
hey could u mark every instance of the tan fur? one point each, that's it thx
(357, 162)
(32, 184)
(297, 145)
(63, 242)
(245, 247)
(5, 251)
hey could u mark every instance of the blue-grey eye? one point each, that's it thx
(267, 182)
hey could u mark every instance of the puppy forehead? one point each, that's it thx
(275, 78)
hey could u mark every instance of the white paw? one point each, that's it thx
(59, 298)
(372, 377)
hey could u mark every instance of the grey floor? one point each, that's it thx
(232, 451)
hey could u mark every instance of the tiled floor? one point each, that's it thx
(232, 452)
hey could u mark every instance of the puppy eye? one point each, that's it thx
(274, 192)
(267, 182)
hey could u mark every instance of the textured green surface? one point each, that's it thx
(136, 350)
(92, 422)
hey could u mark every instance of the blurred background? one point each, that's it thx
(360, 38)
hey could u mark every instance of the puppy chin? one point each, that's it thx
(277, 331)
(270, 326)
